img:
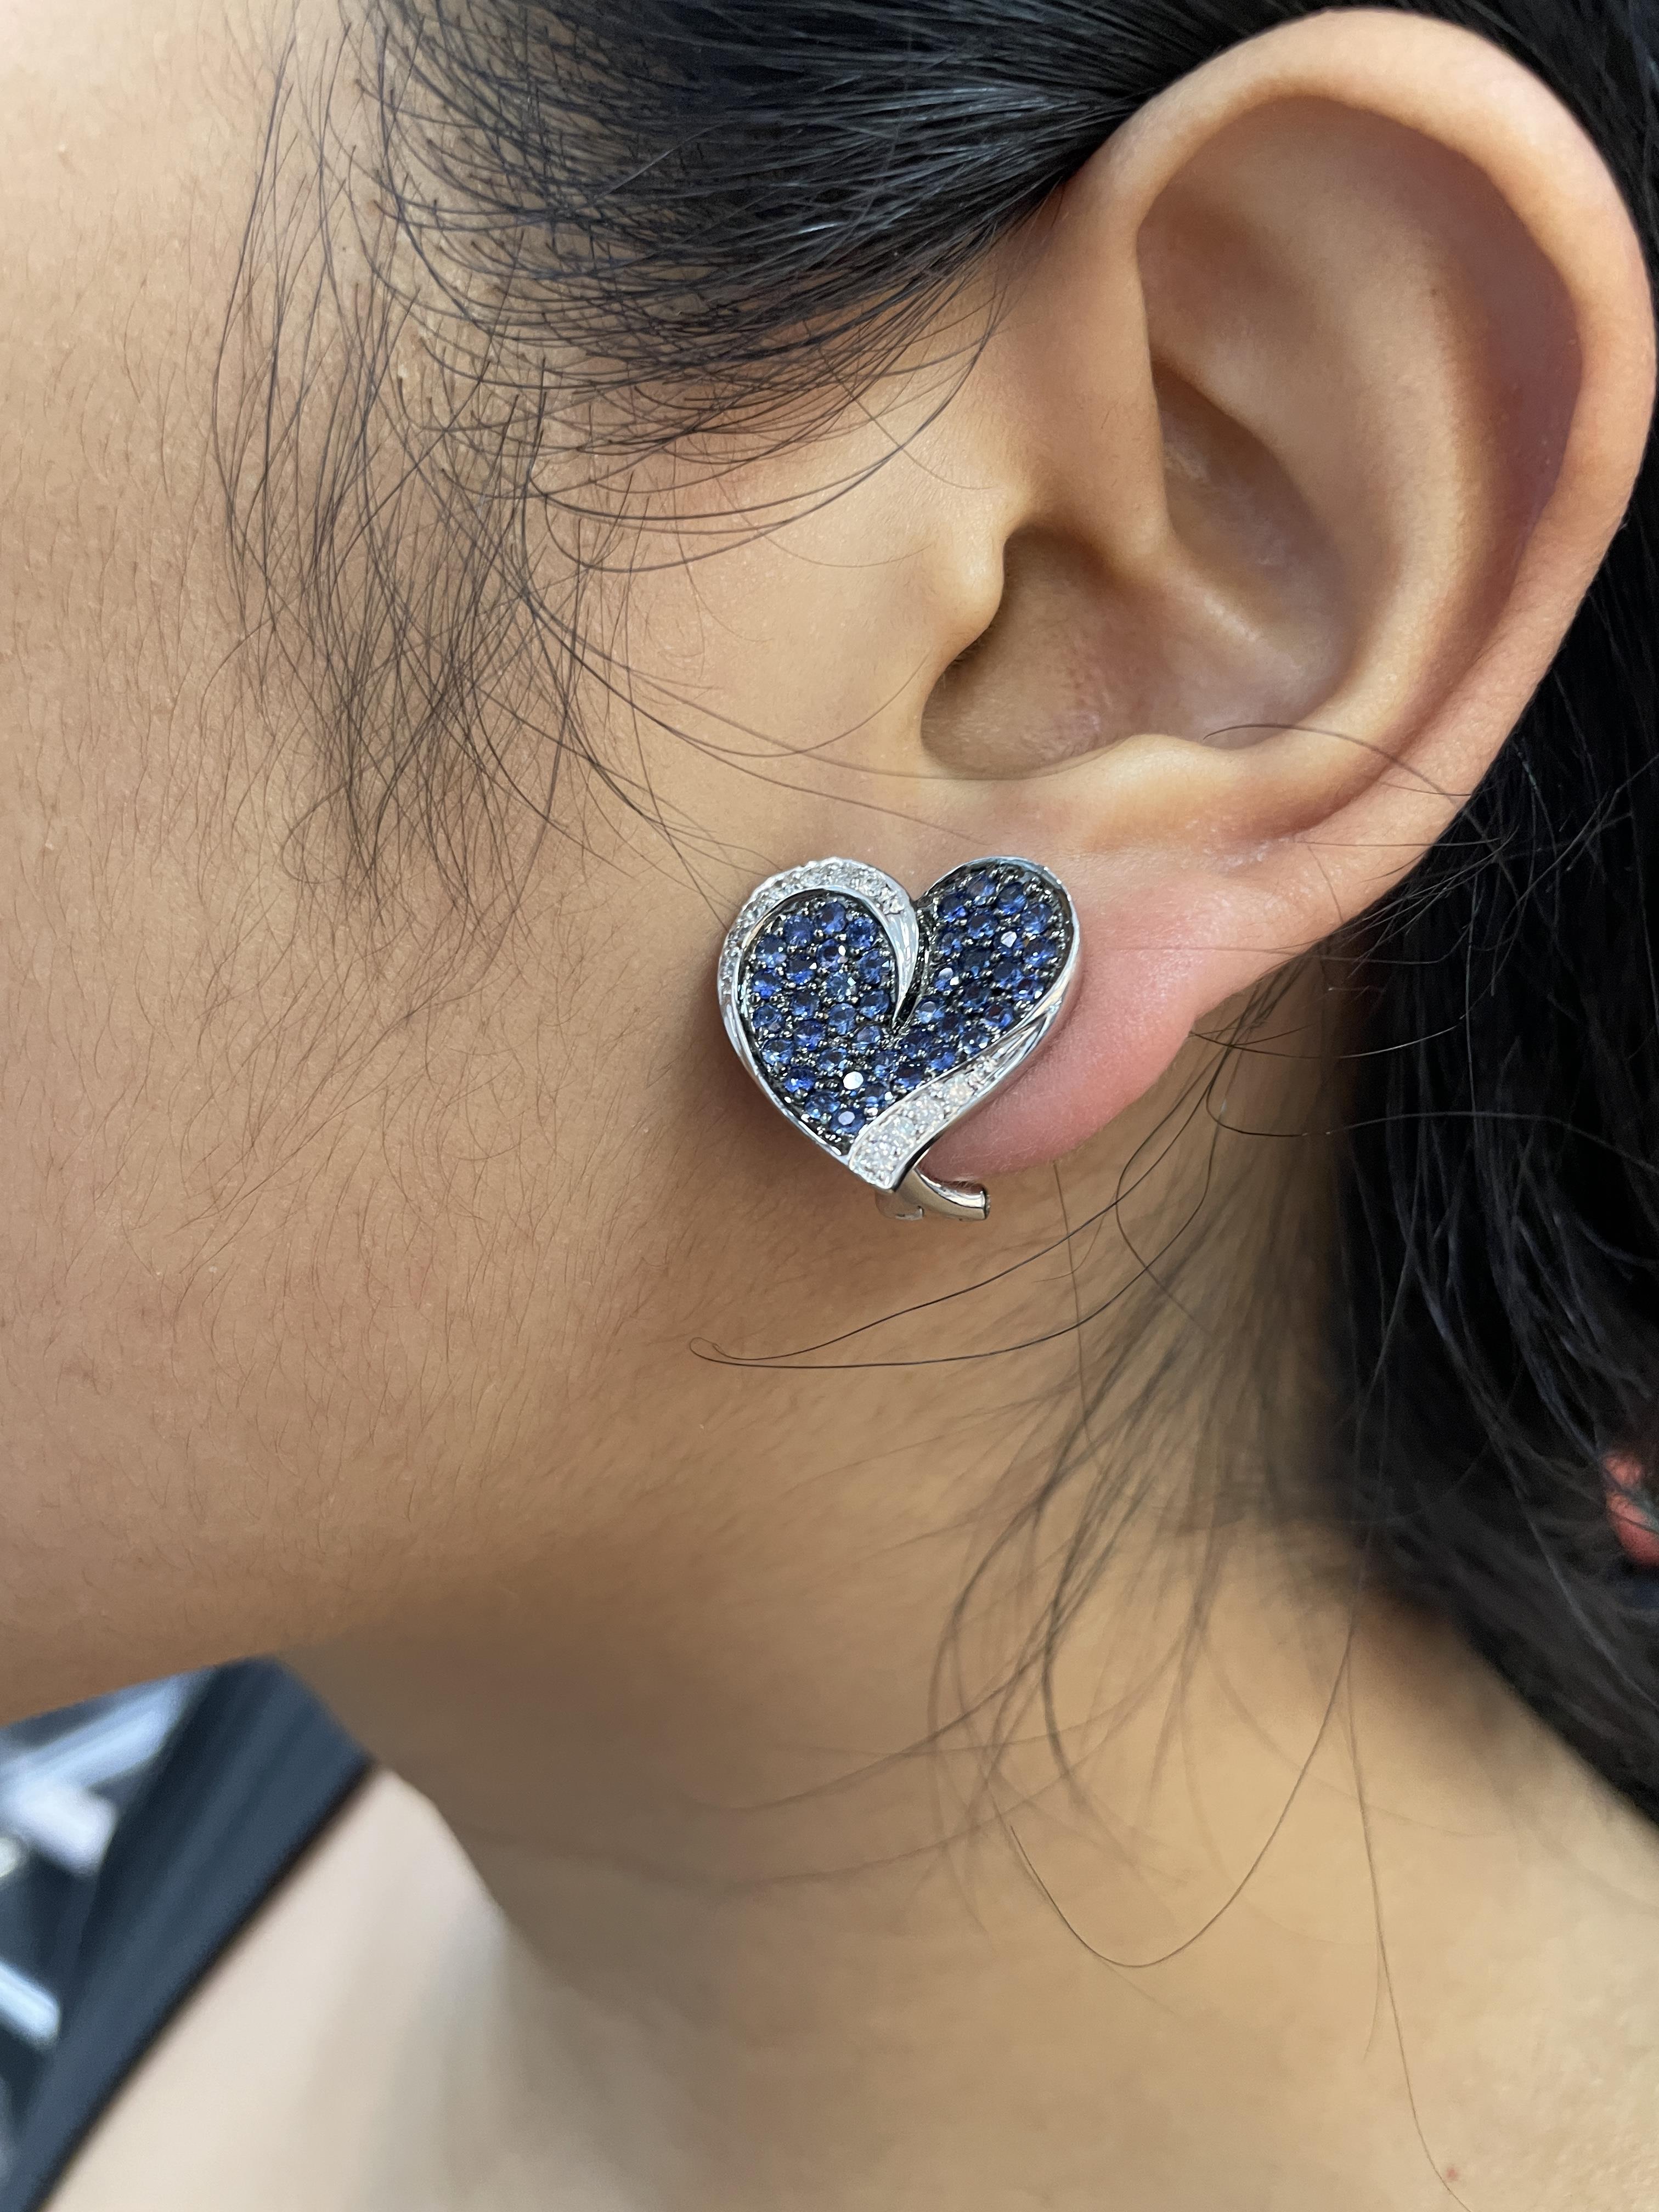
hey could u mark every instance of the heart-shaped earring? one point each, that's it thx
(875, 1025)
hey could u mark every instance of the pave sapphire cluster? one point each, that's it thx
(875, 1025)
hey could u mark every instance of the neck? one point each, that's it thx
(1294, 1905)
(1349, 1930)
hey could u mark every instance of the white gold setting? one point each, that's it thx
(1032, 960)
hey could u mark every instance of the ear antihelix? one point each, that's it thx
(875, 1025)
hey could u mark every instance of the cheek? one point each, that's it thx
(307, 1298)
(167, 1423)
(237, 1302)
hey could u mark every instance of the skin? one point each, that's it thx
(380, 1282)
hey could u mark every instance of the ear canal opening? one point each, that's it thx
(1249, 534)
(1035, 687)
(1240, 625)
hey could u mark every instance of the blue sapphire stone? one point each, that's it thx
(992, 939)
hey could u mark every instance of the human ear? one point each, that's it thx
(1312, 406)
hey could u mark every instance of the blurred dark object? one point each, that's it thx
(247, 1772)
(66, 1779)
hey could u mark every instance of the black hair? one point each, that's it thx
(718, 209)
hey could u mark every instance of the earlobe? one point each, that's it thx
(1358, 318)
